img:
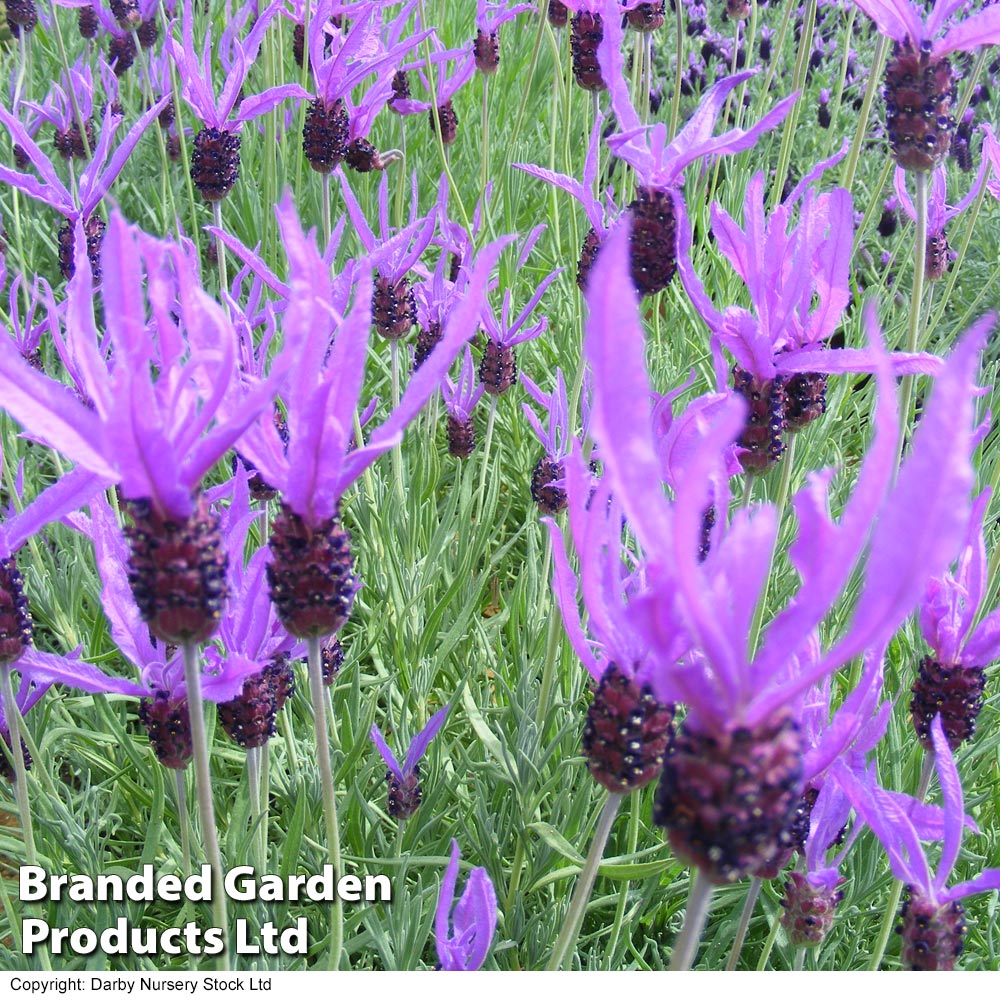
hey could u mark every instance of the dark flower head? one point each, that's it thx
(919, 83)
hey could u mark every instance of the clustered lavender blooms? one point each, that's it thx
(733, 695)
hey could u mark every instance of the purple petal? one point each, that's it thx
(564, 589)
(895, 18)
(261, 104)
(614, 345)
(387, 755)
(52, 669)
(442, 917)
(983, 28)
(954, 808)
(423, 739)
(50, 412)
(71, 492)
(475, 918)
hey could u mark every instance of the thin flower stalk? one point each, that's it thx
(573, 920)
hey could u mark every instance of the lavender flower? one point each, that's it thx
(546, 477)
(252, 640)
(798, 284)
(600, 214)
(443, 118)
(628, 731)
(93, 184)
(743, 713)
(498, 366)
(339, 60)
(155, 436)
(394, 311)
(588, 28)
(919, 86)
(463, 935)
(489, 17)
(58, 111)
(404, 786)
(215, 160)
(311, 573)
(939, 214)
(932, 917)
(658, 210)
(951, 679)
(460, 399)
(164, 705)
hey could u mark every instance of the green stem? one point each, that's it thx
(175, 90)
(485, 125)
(973, 79)
(585, 883)
(220, 251)
(686, 945)
(516, 867)
(551, 655)
(542, 24)
(203, 780)
(916, 299)
(769, 943)
(13, 714)
(324, 180)
(253, 784)
(791, 122)
(798, 963)
(184, 819)
(485, 457)
(772, 66)
(741, 931)
(838, 94)
(329, 800)
(679, 38)
(633, 841)
(871, 88)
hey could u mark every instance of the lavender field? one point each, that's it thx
(495, 485)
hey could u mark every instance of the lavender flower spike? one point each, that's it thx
(311, 573)
(919, 84)
(658, 208)
(94, 182)
(215, 161)
(933, 924)
(743, 712)
(939, 214)
(460, 400)
(404, 787)
(463, 937)
(951, 680)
